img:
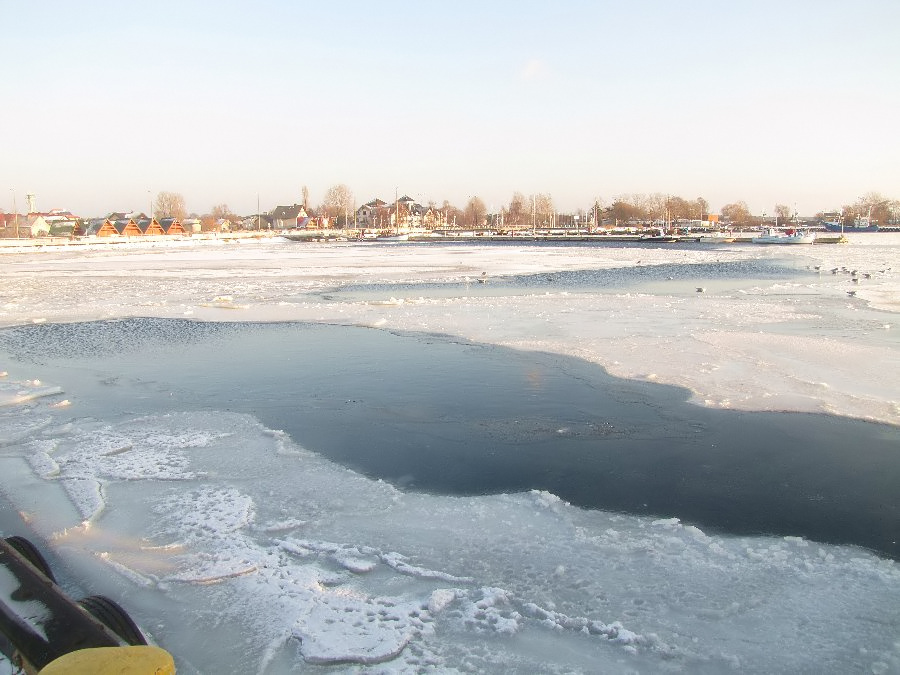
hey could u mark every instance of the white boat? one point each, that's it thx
(775, 236)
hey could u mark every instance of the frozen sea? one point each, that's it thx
(285, 457)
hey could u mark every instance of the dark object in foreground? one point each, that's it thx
(41, 625)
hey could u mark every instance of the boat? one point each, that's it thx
(794, 236)
(718, 237)
(393, 237)
(660, 235)
(859, 225)
(660, 238)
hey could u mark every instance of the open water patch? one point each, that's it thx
(726, 275)
(438, 415)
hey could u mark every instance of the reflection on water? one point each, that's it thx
(430, 413)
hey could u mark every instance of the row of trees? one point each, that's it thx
(340, 205)
(656, 207)
(873, 205)
(172, 205)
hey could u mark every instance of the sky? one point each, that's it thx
(108, 103)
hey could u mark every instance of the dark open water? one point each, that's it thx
(433, 414)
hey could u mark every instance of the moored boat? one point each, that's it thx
(860, 224)
(776, 236)
(664, 238)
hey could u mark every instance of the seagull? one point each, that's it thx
(851, 293)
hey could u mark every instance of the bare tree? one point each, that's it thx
(221, 211)
(519, 211)
(402, 214)
(737, 213)
(876, 206)
(623, 211)
(453, 216)
(656, 205)
(702, 207)
(783, 212)
(383, 215)
(475, 212)
(680, 209)
(542, 206)
(305, 192)
(170, 205)
(338, 202)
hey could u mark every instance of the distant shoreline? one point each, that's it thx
(315, 236)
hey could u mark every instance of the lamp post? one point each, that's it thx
(533, 215)
(15, 211)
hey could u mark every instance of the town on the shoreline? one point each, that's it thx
(403, 217)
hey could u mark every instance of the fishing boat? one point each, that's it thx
(717, 237)
(661, 234)
(775, 236)
(662, 237)
(860, 224)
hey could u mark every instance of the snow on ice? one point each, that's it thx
(311, 563)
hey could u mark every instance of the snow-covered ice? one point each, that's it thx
(234, 569)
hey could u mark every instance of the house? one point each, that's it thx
(191, 225)
(66, 228)
(367, 215)
(12, 225)
(261, 221)
(127, 227)
(17, 226)
(289, 217)
(36, 226)
(150, 226)
(171, 226)
(63, 223)
(93, 226)
(433, 219)
(405, 212)
(102, 227)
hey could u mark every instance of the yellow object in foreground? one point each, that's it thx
(139, 660)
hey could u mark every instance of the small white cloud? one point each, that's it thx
(535, 69)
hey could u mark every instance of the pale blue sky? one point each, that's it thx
(790, 102)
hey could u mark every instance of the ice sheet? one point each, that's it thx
(709, 342)
(336, 569)
(186, 517)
